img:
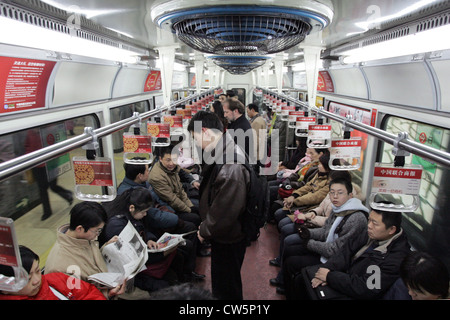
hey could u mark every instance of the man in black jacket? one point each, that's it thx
(240, 128)
(223, 201)
(369, 271)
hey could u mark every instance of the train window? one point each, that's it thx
(360, 115)
(38, 200)
(121, 113)
(241, 94)
(429, 226)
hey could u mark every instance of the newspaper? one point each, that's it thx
(168, 241)
(124, 258)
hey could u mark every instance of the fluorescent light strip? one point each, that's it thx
(426, 41)
(26, 35)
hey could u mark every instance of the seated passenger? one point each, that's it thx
(162, 216)
(377, 262)
(76, 250)
(425, 276)
(313, 218)
(310, 195)
(132, 205)
(52, 286)
(311, 246)
(166, 182)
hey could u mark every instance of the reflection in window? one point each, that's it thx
(39, 199)
(429, 227)
(122, 113)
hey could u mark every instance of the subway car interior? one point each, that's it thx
(77, 77)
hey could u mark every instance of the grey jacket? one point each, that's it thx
(354, 223)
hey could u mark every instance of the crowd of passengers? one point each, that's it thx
(328, 238)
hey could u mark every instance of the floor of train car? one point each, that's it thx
(256, 271)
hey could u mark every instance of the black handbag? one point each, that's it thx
(321, 292)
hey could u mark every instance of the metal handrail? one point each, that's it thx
(424, 151)
(35, 158)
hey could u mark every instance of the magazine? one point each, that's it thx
(168, 241)
(124, 258)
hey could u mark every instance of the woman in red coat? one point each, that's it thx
(52, 286)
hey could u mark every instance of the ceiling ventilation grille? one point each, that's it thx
(242, 34)
(240, 29)
(239, 64)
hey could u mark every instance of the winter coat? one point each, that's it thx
(355, 268)
(313, 192)
(158, 218)
(237, 125)
(223, 199)
(259, 127)
(354, 221)
(68, 252)
(168, 186)
(59, 281)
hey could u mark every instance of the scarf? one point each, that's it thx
(352, 205)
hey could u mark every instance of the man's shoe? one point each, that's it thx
(274, 262)
(281, 291)
(274, 282)
(203, 253)
(45, 216)
(196, 276)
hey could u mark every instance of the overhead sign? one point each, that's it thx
(23, 83)
(153, 82)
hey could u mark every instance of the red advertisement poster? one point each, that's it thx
(23, 83)
(153, 82)
(137, 144)
(158, 130)
(7, 252)
(174, 121)
(325, 83)
(93, 173)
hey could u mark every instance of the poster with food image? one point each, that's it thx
(174, 121)
(158, 130)
(93, 172)
(137, 143)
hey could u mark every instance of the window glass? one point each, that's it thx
(39, 200)
(360, 115)
(428, 227)
(121, 113)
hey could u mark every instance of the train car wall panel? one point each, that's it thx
(442, 71)
(349, 82)
(129, 82)
(77, 83)
(404, 84)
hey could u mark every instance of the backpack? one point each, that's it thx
(258, 203)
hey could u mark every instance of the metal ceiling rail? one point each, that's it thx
(35, 158)
(424, 151)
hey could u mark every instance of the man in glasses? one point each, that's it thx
(347, 220)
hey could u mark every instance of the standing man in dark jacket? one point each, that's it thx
(368, 272)
(240, 128)
(223, 199)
